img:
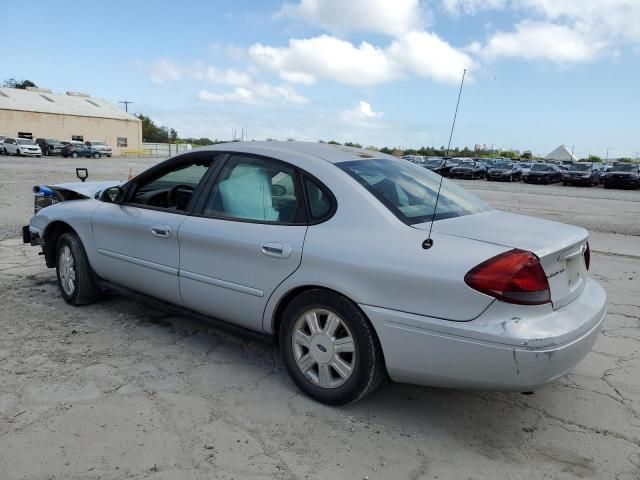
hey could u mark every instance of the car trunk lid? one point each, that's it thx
(559, 247)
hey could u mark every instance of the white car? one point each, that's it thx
(101, 147)
(21, 147)
(343, 256)
(2, 137)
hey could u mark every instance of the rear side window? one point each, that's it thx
(319, 201)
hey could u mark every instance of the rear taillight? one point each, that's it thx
(587, 256)
(515, 276)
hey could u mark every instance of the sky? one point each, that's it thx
(540, 73)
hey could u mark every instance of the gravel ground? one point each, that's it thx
(119, 390)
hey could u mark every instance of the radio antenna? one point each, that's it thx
(428, 243)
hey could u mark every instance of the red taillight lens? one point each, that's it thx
(515, 276)
(587, 256)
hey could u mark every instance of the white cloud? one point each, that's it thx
(541, 41)
(255, 94)
(361, 114)
(377, 16)
(163, 71)
(427, 55)
(306, 60)
(559, 30)
(224, 77)
(327, 57)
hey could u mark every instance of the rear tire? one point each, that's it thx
(336, 365)
(75, 276)
(96, 155)
(74, 155)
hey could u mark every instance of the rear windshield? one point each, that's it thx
(541, 168)
(410, 191)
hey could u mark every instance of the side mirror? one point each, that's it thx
(278, 191)
(82, 174)
(112, 195)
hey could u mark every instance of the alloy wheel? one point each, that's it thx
(66, 266)
(323, 348)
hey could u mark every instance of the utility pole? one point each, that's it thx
(126, 105)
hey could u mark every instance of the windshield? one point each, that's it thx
(24, 141)
(97, 143)
(624, 167)
(579, 167)
(525, 165)
(433, 163)
(503, 165)
(52, 140)
(538, 167)
(466, 163)
(410, 191)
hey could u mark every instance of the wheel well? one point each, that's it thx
(50, 240)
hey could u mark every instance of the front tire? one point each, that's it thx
(96, 155)
(74, 155)
(75, 276)
(329, 348)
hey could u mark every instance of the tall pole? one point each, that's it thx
(126, 105)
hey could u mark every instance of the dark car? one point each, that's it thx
(468, 169)
(582, 174)
(507, 171)
(75, 150)
(545, 173)
(436, 165)
(50, 146)
(623, 175)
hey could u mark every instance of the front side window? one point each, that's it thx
(171, 189)
(255, 189)
(410, 191)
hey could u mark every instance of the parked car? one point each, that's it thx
(469, 169)
(331, 254)
(448, 165)
(543, 173)
(603, 172)
(103, 148)
(582, 173)
(21, 147)
(2, 137)
(507, 171)
(623, 175)
(525, 166)
(436, 165)
(49, 146)
(76, 149)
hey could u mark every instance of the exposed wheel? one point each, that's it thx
(74, 155)
(18, 154)
(329, 348)
(96, 155)
(75, 277)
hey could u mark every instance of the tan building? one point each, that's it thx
(38, 113)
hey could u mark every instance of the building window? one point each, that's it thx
(122, 141)
(28, 135)
(78, 138)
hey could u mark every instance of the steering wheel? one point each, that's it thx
(172, 195)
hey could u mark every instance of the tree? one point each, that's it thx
(508, 154)
(154, 133)
(21, 84)
(351, 144)
(333, 142)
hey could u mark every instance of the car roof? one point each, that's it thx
(322, 151)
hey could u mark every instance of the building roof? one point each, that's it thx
(561, 153)
(43, 101)
(325, 151)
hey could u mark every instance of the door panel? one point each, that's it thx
(228, 269)
(138, 248)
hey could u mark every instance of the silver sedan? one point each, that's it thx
(360, 265)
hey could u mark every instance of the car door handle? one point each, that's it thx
(161, 231)
(276, 249)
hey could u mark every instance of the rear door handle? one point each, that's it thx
(162, 231)
(276, 249)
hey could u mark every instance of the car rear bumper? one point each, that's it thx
(621, 182)
(496, 351)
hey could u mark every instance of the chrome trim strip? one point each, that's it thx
(221, 283)
(137, 261)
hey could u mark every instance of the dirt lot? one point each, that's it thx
(119, 390)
